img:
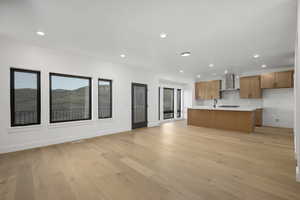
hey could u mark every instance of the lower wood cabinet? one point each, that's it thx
(243, 121)
(259, 117)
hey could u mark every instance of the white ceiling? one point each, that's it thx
(223, 32)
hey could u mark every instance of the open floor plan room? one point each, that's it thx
(149, 100)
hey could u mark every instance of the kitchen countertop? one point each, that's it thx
(241, 108)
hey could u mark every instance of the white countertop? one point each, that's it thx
(241, 108)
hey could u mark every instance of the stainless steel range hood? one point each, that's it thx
(229, 83)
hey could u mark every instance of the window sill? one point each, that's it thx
(106, 119)
(71, 123)
(18, 129)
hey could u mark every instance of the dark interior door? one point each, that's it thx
(139, 105)
(178, 103)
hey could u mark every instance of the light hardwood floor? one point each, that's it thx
(174, 161)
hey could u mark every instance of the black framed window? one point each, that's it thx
(25, 97)
(168, 103)
(70, 98)
(178, 103)
(104, 98)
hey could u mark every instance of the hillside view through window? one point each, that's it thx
(104, 98)
(70, 98)
(25, 97)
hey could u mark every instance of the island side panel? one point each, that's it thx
(203, 118)
(243, 121)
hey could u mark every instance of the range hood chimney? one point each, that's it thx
(229, 82)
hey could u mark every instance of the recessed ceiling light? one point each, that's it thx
(122, 56)
(211, 65)
(181, 71)
(163, 35)
(198, 76)
(256, 56)
(264, 66)
(226, 71)
(40, 33)
(184, 54)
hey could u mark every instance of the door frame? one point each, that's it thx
(141, 124)
(174, 109)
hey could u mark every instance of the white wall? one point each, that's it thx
(278, 104)
(278, 107)
(189, 97)
(21, 55)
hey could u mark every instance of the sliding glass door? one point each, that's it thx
(168, 103)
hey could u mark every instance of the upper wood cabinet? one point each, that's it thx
(250, 87)
(200, 90)
(268, 80)
(284, 79)
(197, 90)
(208, 89)
(214, 89)
(277, 80)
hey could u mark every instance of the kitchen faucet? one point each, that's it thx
(215, 103)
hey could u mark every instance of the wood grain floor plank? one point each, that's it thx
(171, 162)
(24, 187)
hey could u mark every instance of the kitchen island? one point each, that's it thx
(241, 119)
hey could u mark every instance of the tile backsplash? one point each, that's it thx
(232, 98)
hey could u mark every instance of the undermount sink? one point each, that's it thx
(228, 106)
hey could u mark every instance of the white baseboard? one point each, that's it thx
(171, 120)
(19, 147)
(297, 174)
(179, 119)
(153, 124)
